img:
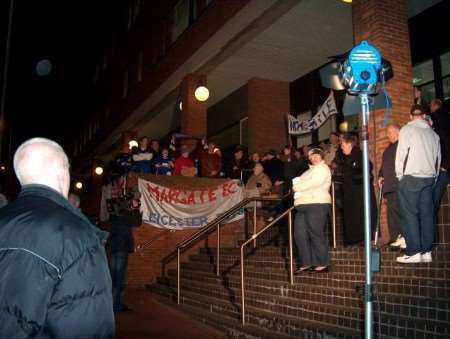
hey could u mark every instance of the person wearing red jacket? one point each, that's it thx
(183, 164)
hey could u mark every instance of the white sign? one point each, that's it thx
(297, 127)
(174, 208)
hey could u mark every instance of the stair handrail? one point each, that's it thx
(214, 224)
(253, 238)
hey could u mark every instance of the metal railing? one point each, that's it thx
(288, 212)
(209, 228)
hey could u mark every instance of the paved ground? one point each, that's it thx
(151, 318)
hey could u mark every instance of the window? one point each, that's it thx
(140, 66)
(96, 75)
(137, 9)
(181, 14)
(243, 138)
(129, 18)
(445, 66)
(124, 84)
(423, 77)
(228, 137)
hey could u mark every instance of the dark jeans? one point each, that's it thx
(393, 215)
(312, 246)
(417, 213)
(119, 265)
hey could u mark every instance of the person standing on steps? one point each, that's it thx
(388, 180)
(417, 164)
(312, 201)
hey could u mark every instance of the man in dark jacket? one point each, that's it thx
(441, 125)
(54, 274)
(124, 214)
(389, 181)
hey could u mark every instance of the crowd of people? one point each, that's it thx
(413, 155)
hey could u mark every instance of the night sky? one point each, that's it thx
(64, 33)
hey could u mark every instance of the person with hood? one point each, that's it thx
(417, 163)
(55, 281)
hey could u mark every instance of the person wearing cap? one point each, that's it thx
(312, 201)
(417, 163)
(184, 165)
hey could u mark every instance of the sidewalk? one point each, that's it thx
(151, 318)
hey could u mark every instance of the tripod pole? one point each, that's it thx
(368, 307)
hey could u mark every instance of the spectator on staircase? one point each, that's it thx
(351, 176)
(312, 201)
(236, 168)
(184, 165)
(417, 164)
(142, 157)
(164, 163)
(441, 125)
(210, 161)
(389, 183)
(331, 148)
(258, 184)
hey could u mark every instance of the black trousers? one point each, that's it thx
(312, 246)
(393, 215)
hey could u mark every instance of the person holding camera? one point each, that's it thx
(259, 183)
(312, 201)
(124, 214)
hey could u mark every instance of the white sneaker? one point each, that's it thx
(426, 257)
(400, 242)
(413, 259)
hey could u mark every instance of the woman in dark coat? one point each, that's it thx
(352, 191)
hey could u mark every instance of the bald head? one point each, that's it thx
(42, 161)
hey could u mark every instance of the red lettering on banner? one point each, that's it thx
(154, 191)
(165, 196)
(191, 199)
(211, 194)
(202, 196)
(227, 188)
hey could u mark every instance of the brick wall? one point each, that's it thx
(268, 104)
(384, 23)
(153, 244)
(193, 118)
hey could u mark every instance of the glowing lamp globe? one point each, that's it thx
(201, 93)
(133, 143)
(99, 170)
(79, 185)
(343, 127)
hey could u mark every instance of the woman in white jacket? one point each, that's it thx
(312, 201)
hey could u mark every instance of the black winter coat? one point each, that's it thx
(54, 280)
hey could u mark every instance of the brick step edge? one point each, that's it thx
(409, 301)
(355, 306)
(311, 328)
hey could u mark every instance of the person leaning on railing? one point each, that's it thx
(312, 201)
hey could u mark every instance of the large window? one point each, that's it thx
(423, 78)
(445, 67)
(181, 14)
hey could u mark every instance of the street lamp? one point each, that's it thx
(201, 93)
(99, 170)
(79, 185)
(132, 143)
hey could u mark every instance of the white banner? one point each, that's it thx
(173, 208)
(297, 127)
